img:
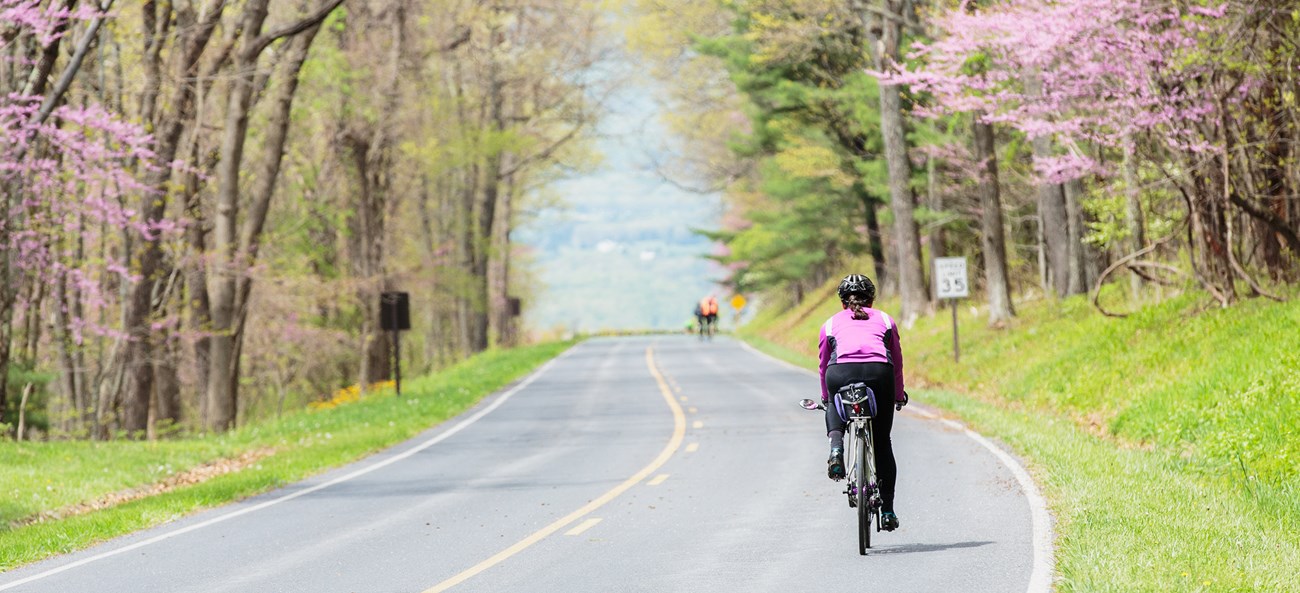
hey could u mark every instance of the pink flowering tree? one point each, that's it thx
(1100, 84)
(1107, 71)
(65, 173)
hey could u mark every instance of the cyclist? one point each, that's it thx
(860, 344)
(708, 311)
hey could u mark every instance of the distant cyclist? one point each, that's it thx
(708, 313)
(860, 344)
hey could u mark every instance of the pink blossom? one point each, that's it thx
(73, 175)
(1107, 70)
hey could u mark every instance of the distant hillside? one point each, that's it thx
(620, 255)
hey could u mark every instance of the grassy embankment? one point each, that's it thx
(1166, 442)
(37, 478)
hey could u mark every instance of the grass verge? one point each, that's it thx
(1161, 441)
(39, 477)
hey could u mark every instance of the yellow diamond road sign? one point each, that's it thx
(738, 302)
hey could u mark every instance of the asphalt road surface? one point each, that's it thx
(654, 464)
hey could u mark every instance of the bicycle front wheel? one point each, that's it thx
(863, 500)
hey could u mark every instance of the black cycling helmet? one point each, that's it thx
(859, 285)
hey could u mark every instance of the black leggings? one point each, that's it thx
(879, 377)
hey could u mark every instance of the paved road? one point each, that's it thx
(657, 464)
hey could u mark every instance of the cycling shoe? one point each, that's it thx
(888, 521)
(835, 465)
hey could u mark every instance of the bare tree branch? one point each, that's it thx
(1121, 262)
(70, 71)
(255, 49)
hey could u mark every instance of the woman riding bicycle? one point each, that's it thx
(860, 344)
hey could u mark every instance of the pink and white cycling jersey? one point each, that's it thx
(844, 339)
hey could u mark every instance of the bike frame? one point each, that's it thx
(861, 463)
(862, 437)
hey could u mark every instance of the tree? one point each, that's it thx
(56, 169)
(236, 250)
(1133, 78)
(992, 241)
(885, 46)
(137, 357)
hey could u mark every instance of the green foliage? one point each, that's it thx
(1105, 205)
(800, 68)
(1129, 519)
(47, 476)
(1212, 385)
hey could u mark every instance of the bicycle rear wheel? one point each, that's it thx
(863, 500)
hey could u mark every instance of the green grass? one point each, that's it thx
(1164, 441)
(36, 477)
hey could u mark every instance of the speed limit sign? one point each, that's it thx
(950, 277)
(950, 283)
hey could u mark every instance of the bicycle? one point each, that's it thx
(857, 403)
(708, 327)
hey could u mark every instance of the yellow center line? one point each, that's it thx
(679, 432)
(693, 447)
(692, 409)
(657, 480)
(583, 526)
(697, 424)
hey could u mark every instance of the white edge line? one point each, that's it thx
(1040, 578)
(244, 511)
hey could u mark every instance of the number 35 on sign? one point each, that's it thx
(950, 277)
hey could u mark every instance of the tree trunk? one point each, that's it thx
(1079, 281)
(907, 243)
(232, 288)
(486, 208)
(6, 338)
(499, 273)
(222, 404)
(370, 143)
(32, 335)
(196, 287)
(1055, 223)
(1053, 213)
(71, 367)
(875, 243)
(935, 238)
(367, 259)
(167, 385)
(110, 393)
(138, 356)
(1133, 211)
(992, 238)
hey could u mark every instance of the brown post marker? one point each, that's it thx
(394, 316)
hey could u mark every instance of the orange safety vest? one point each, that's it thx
(708, 306)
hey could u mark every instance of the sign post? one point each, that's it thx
(395, 316)
(950, 283)
(737, 303)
